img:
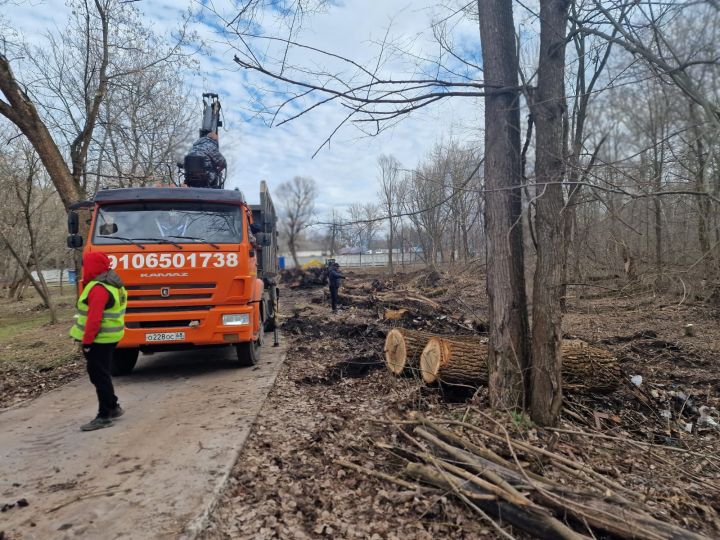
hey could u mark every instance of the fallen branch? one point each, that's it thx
(378, 474)
(528, 501)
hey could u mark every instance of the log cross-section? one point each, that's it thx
(403, 348)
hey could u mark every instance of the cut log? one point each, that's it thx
(394, 314)
(403, 348)
(585, 366)
(454, 362)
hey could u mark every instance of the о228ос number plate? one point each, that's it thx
(173, 260)
(165, 336)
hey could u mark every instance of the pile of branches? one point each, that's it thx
(298, 278)
(506, 492)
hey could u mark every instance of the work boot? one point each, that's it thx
(117, 412)
(98, 422)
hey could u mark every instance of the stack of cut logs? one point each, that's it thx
(462, 360)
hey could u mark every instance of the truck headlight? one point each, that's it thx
(236, 319)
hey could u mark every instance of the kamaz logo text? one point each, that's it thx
(165, 274)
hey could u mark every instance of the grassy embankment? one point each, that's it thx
(35, 356)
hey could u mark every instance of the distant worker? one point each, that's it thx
(206, 152)
(334, 277)
(172, 224)
(99, 325)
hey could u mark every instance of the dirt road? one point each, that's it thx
(154, 473)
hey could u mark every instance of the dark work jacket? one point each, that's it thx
(334, 276)
(210, 151)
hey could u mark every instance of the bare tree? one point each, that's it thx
(297, 198)
(28, 224)
(390, 195)
(59, 111)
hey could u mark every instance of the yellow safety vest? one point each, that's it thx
(112, 326)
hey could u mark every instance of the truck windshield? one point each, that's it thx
(179, 222)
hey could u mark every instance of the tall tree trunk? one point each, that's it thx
(390, 250)
(703, 206)
(293, 250)
(657, 171)
(658, 233)
(548, 111)
(508, 347)
(21, 111)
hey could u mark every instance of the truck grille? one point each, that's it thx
(170, 285)
(158, 324)
(175, 291)
(166, 309)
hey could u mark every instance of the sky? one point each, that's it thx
(346, 171)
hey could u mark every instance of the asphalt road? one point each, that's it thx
(155, 473)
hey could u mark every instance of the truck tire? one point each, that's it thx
(124, 361)
(247, 353)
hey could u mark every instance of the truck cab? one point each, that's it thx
(199, 266)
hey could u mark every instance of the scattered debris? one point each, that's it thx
(336, 423)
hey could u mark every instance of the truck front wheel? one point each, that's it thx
(247, 353)
(124, 361)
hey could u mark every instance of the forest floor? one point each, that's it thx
(36, 356)
(335, 402)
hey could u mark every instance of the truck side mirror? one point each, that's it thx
(72, 222)
(74, 241)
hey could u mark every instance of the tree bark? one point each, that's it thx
(403, 348)
(465, 362)
(20, 110)
(505, 260)
(392, 241)
(454, 362)
(548, 111)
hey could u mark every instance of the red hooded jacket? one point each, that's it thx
(94, 264)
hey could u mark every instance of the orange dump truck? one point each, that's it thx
(199, 265)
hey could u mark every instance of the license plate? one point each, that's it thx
(165, 336)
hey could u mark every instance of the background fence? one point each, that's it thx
(358, 260)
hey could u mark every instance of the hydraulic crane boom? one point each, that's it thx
(211, 114)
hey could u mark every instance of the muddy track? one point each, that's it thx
(155, 473)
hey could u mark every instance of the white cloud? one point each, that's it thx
(346, 171)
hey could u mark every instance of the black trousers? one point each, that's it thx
(98, 367)
(334, 297)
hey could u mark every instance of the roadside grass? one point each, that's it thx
(36, 356)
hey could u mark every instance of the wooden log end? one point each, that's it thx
(395, 351)
(431, 360)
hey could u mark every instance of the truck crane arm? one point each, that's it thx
(211, 114)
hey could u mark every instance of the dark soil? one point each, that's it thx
(334, 401)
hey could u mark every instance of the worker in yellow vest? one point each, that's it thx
(99, 325)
